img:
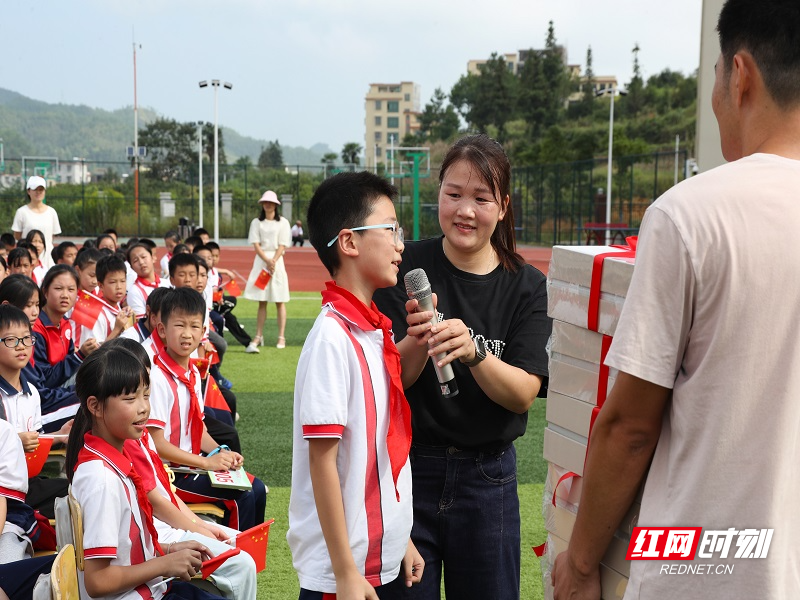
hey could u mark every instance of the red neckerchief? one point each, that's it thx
(398, 438)
(195, 425)
(148, 283)
(96, 448)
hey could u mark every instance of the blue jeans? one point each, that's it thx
(466, 524)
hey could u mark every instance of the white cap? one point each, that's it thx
(34, 181)
(269, 196)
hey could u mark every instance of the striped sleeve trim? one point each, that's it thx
(12, 494)
(156, 423)
(102, 552)
(323, 431)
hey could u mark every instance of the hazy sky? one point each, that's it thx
(300, 69)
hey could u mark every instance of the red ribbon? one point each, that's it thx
(597, 278)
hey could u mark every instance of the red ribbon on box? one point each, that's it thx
(593, 315)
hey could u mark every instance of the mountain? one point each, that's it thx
(33, 128)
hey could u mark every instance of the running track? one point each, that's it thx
(306, 273)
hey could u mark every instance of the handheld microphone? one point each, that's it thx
(419, 288)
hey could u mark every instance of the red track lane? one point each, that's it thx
(306, 273)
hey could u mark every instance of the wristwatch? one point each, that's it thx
(480, 353)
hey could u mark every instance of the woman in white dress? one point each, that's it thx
(37, 215)
(270, 235)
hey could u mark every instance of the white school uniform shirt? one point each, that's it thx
(102, 328)
(23, 406)
(13, 471)
(138, 293)
(332, 401)
(113, 524)
(169, 406)
(214, 278)
(165, 265)
(39, 271)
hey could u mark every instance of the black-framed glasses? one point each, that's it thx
(395, 227)
(12, 341)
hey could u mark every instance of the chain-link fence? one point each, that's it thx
(552, 203)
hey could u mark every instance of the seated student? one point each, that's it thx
(215, 328)
(3, 268)
(225, 307)
(113, 318)
(113, 233)
(64, 254)
(57, 403)
(8, 240)
(20, 403)
(106, 241)
(203, 234)
(141, 260)
(36, 239)
(171, 239)
(174, 521)
(86, 268)
(192, 241)
(349, 357)
(19, 262)
(55, 356)
(36, 268)
(144, 327)
(123, 557)
(176, 417)
(180, 249)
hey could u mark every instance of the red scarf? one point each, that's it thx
(172, 369)
(148, 283)
(398, 437)
(96, 448)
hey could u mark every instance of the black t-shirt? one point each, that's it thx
(509, 310)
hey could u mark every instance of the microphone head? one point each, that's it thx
(417, 284)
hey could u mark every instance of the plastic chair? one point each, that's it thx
(64, 576)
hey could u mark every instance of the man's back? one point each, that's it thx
(716, 299)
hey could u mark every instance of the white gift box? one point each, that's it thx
(568, 413)
(564, 448)
(576, 378)
(569, 280)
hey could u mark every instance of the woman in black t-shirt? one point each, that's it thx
(494, 326)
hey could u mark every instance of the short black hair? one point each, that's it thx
(132, 248)
(185, 301)
(8, 239)
(58, 252)
(89, 243)
(17, 254)
(172, 235)
(193, 240)
(212, 245)
(32, 251)
(201, 247)
(157, 297)
(109, 264)
(11, 315)
(111, 231)
(148, 242)
(341, 202)
(3, 263)
(181, 260)
(18, 290)
(198, 231)
(103, 236)
(180, 249)
(770, 31)
(87, 256)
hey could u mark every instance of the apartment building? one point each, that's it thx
(392, 111)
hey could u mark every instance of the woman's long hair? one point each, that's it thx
(490, 162)
(111, 370)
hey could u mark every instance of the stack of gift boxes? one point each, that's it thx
(586, 290)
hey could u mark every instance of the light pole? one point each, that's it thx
(614, 90)
(215, 83)
(200, 125)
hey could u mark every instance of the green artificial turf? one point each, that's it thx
(264, 385)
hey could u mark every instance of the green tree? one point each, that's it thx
(437, 121)
(329, 158)
(586, 104)
(171, 148)
(271, 157)
(533, 94)
(556, 78)
(634, 102)
(350, 152)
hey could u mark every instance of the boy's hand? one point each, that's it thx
(184, 561)
(123, 320)
(30, 440)
(412, 566)
(88, 347)
(354, 586)
(221, 461)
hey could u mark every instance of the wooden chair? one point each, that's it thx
(76, 516)
(64, 576)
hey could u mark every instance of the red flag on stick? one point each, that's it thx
(263, 279)
(87, 309)
(203, 365)
(38, 457)
(214, 397)
(232, 288)
(212, 564)
(254, 542)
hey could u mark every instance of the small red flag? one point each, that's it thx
(254, 542)
(38, 457)
(203, 365)
(263, 279)
(232, 288)
(87, 309)
(212, 564)
(214, 397)
(217, 296)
